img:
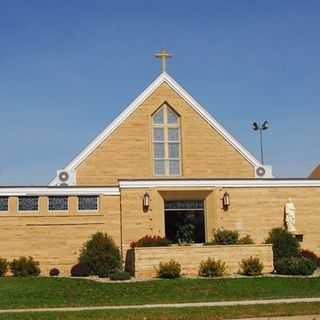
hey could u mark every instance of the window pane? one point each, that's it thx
(159, 167)
(3, 203)
(158, 134)
(28, 203)
(88, 203)
(173, 134)
(158, 117)
(174, 150)
(159, 150)
(58, 203)
(174, 167)
(172, 117)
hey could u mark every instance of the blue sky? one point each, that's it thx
(67, 68)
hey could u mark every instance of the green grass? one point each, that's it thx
(176, 314)
(58, 292)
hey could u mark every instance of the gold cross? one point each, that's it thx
(163, 55)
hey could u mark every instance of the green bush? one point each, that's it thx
(80, 270)
(120, 276)
(212, 268)
(3, 267)
(251, 266)
(225, 237)
(185, 233)
(151, 241)
(295, 266)
(169, 270)
(245, 240)
(311, 256)
(101, 255)
(284, 244)
(24, 267)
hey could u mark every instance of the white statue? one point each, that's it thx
(290, 212)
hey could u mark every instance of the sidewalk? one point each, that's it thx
(171, 305)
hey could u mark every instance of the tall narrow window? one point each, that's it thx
(166, 142)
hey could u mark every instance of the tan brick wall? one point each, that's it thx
(146, 260)
(55, 239)
(127, 153)
(256, 211)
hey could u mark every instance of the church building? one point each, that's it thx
(163, 162)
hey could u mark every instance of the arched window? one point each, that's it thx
(166, 142)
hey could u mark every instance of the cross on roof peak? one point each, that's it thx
(163, 55)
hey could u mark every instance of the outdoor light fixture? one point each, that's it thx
(226, 201)
(146, 201)
(260, 128)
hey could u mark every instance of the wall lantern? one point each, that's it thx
(226, 201)
(146, 201)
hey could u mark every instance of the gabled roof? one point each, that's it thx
(162, 78)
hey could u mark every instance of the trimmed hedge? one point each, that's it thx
(295, 266)
(120, 276)
(151, 241)
(80, 270)
(54, 272)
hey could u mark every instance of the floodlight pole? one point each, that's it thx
(260, 128)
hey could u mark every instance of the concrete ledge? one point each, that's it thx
(144, 261)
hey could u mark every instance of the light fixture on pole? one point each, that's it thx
(260, 128)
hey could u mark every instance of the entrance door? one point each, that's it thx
(185, 215)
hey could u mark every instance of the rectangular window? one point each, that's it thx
(88, 203)
(4, 203)
(28, 203)
(58, 203)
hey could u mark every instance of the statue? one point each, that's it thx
(290, 216)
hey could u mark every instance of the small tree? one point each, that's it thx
(284, 244)
(101, 255)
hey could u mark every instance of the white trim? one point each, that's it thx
(163, 77)
(253, 183)
(58, 191)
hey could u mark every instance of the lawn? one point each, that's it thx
(58, 292)
(176, 314)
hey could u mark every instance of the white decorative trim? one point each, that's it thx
(58, 191)
(241, 183)
(163, 77)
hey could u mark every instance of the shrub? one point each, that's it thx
(54, 272)
(151, 241)
(251, 266)
(3, 267)
(212, 268)
(245, 240)
(225, 237)
(24, 267)
(80, 270)
(185, 233)
(311, 256)
(120, 276)
(101, 255)
(284, 244)
(169, 270)
(295, 266)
